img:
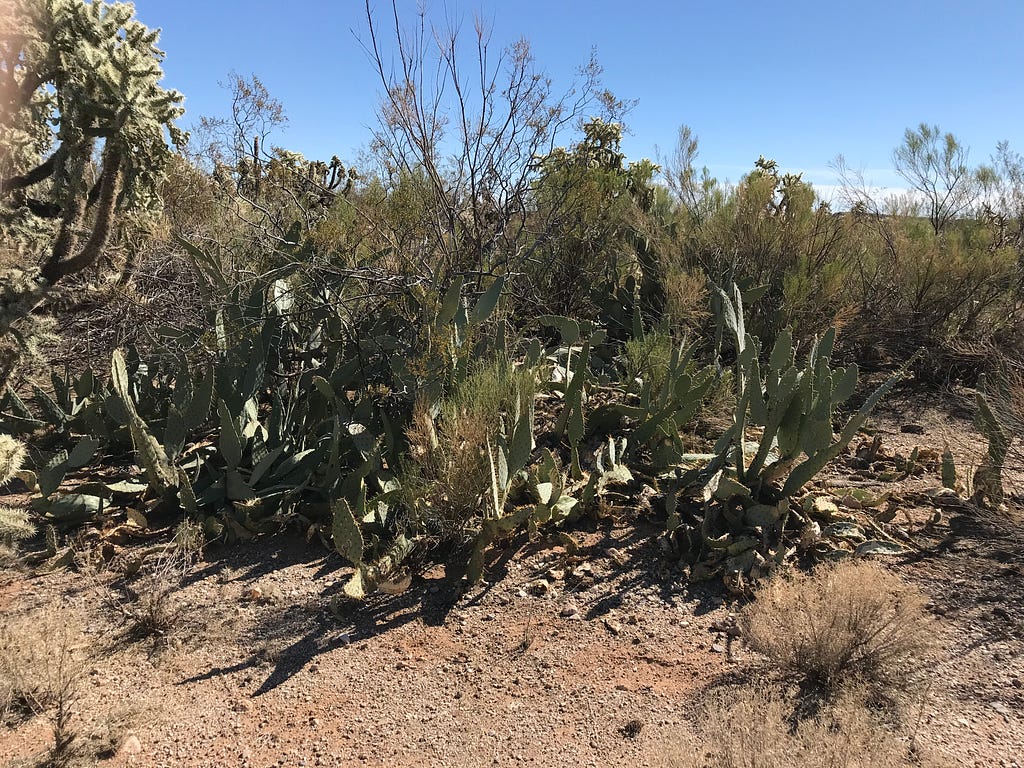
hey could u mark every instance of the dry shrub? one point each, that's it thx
(759, 729)
(41, 665)
(686, 298)
(854, 622)
(149, 602)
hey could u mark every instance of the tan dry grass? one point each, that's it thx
(759, 729)
(851, 623)
(41, 665)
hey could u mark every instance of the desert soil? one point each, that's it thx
(597, 659)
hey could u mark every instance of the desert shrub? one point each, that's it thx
(449, 471)
(647, 358)
(759, 729)
(913, 288)
(850, 623)
(686, 298)
(770, 230)
(41, 665)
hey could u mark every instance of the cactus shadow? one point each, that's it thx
(292, 637)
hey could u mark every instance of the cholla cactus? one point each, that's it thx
(12, 458)
(85, 95)
(15, 525)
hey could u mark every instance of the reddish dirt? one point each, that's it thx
(266, 665)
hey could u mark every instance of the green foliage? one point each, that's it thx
(668, 398)
(360, 361)
(770, 230)
(748, 486)
(597, 207)
(451, 475)
(793, 405)
(934, 164)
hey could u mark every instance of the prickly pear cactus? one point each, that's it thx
(988, 479)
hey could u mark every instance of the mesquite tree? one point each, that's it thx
(85, 130)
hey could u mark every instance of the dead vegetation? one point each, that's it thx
(759, 728)
(42, 659)
(855, 623)
(840, 642)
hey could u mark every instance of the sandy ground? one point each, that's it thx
(548, 663)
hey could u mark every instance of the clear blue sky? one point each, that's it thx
(797, 81)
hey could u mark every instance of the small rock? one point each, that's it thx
(539, 587)
(616, 555)
(570, 612)
(613, 626)
(130, 746)
(718, 648)
(912, 429)
(253, 593)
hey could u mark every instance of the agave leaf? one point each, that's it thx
(175, 432)
(450, 302)
(806, 470)
(51, 409)
(202, 400)
(230, 442)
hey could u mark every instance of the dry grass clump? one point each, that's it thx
(148, 603)
(854, 622)
(759, 729)
(449, 471)
(41, 665)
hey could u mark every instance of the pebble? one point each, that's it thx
(570, 612)
(613, 626)
(130, 746)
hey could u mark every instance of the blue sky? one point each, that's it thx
(797, 81)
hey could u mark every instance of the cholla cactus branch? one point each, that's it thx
(12, 458)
